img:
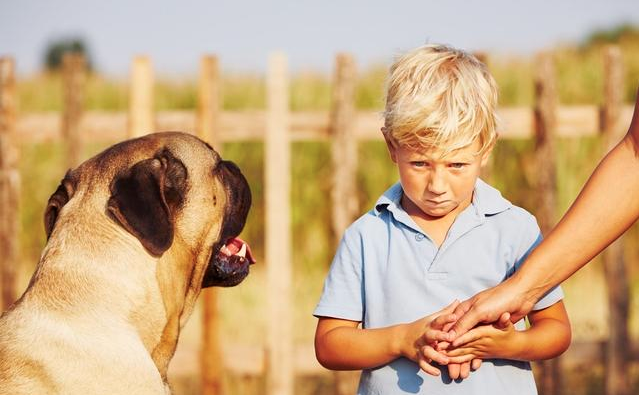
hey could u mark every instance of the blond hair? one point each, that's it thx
(439, 96)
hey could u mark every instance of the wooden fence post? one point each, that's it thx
(208, 108)
(344, 157)
(141, 118)
(9, 185)
(212, 364)
(545, 116)
(488, 169)
(344, 145)
(617, 362)
(74, 75)
(279, 369)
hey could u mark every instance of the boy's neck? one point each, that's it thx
(436, 228)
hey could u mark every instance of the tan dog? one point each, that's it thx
(133, 235)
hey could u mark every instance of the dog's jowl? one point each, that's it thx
(133, 235)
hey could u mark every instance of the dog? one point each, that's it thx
(133, 235)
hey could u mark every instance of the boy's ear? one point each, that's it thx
(391, 144)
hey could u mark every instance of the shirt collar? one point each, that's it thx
(487, 200)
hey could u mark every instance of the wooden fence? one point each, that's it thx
(278, 127)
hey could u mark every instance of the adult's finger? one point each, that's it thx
(467, 317)
(475, 363)
(504, 321)
(489, 305)
(469, 336)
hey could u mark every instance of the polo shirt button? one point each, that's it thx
(419, 237)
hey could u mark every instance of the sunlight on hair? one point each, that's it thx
(439, 96)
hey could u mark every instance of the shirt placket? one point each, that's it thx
(468, 220)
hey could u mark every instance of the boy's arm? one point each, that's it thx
(341, 345)
(548, 336)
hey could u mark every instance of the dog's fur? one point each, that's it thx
(133, 235)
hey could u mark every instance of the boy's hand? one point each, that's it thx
(458, 370)
(485, 341)
(421, 337)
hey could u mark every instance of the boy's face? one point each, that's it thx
(436, 186)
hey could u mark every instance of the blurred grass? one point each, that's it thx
(579, 81)
(579, 76)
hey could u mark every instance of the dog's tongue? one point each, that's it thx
(237, 246)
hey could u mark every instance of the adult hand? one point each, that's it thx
(501, 303)
(487, 341)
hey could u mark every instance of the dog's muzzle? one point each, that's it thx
(231, 258)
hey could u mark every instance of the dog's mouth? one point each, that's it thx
(237, 249)
(231, 258)
(229, 264)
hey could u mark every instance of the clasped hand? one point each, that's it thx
(434, 343)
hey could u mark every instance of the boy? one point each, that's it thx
(439, 234)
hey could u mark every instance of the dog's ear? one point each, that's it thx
(145, 198)
(59, 198)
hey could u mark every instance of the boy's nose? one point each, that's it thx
(437, 184)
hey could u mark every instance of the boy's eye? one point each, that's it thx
(458, 165)
(419, 163)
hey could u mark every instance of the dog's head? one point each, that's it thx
(174, 194)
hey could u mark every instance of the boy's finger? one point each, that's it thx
(443, 345)
(430, 354)
(464, 370)
(458, 352)
(444, 319)
(453, 370)
(475, 364)
(428, 368)
(433, 335)
(451, 307)
(461, 359)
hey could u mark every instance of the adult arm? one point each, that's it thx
(605, 208)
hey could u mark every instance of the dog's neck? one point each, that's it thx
(179, 295)
(148, 300)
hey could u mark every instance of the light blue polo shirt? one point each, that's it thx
(388, 271)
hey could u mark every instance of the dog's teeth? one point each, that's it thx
(224, 250)
(242, 251)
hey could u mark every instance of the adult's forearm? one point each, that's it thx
(606, 207)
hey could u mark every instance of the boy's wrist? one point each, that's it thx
(397, 346)
(517, 348)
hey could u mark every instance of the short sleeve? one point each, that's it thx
(531, 237)
(343, 287)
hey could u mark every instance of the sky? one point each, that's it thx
(242, 33)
